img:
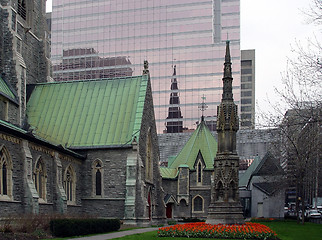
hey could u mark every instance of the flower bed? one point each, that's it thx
(203, 230)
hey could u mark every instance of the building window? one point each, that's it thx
(97, 177)
(40, 178)
(246, 62)
(246, 71)
(246, 101)
(246, 94)
(70, 184)
(199, 172)
(197, 204)
(246, 108)
(22, 9)
(5, 174)
(149, 160)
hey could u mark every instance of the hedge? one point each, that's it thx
(77, 227)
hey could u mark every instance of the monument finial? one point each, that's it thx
(146, 67)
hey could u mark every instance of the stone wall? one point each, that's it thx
(148, 127)
(22, 51)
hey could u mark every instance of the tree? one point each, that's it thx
(298, 117)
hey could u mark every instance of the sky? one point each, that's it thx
(271, 28)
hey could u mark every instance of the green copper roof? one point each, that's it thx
(244, 179)
(92, 113)
(5, 90)
(168, 172)
(200, 141)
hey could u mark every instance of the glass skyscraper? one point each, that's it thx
(106, 38)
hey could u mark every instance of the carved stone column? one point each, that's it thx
(225, 206)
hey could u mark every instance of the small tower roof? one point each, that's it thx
(201, 141)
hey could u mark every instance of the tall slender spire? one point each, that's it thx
(227, 79)
(174, 122)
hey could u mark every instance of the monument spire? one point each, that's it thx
(225, 206)
(174, 123)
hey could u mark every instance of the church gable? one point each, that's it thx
(76, 113)
(268, 166)
(200, 148)
(201, 143)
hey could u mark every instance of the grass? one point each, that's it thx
(286, 230)
(290, 230)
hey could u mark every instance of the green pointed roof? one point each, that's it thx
(244, 179)
(200, 141)
(6, 91)
(268, 165)
(88, 114)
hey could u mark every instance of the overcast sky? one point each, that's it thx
(271, 28)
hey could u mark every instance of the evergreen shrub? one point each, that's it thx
(77, 227)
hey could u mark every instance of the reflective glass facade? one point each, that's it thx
(103, 38)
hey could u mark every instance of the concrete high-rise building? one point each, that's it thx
(247, 106)
(190, 34)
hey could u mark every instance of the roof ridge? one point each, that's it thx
(207, 139)
(190, 138)
(87, 80)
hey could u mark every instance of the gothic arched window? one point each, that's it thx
(70, 184)
(5, 174)
(197, 204)
(97, 177)
(199, 172)
(40, 178)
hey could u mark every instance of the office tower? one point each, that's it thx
(247, 109)
(190, 34)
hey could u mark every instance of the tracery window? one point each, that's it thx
(40, 178)
(5, 173)
(97, 177)
(198, 204)
(70, 184)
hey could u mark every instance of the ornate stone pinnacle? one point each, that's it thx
(146, 67)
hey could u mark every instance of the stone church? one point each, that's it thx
(187, 178)
(80, 147)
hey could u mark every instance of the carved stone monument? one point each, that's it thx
(225, 206)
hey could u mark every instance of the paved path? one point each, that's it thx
(117, 234)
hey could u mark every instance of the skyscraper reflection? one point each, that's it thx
(190, 34)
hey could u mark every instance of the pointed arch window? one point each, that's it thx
(70, 184)
(199, 172)
(97, 177)
(40, 178)
(197, 204)
(5, 174)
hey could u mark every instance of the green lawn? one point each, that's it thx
(290, 230)
(286, 230)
